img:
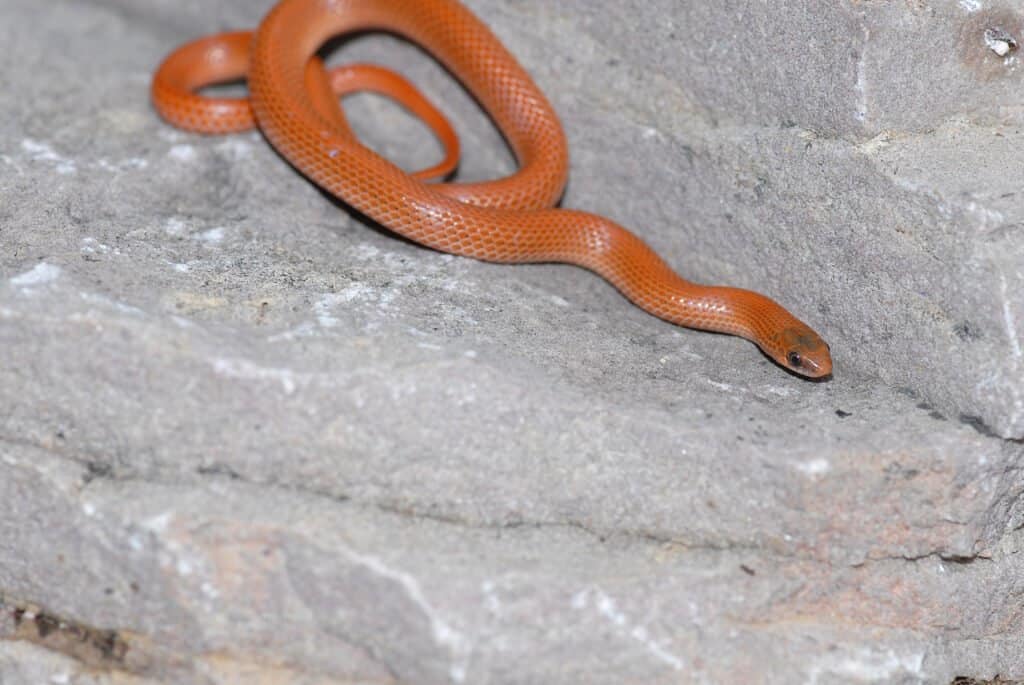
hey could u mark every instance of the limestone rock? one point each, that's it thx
(246, 437)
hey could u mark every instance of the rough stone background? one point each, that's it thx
(248, 438)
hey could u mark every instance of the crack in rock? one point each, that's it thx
(95, 647)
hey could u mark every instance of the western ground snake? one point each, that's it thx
(294, 101)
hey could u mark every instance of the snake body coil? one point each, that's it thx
(294, 102)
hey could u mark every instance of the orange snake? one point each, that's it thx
(293, 99)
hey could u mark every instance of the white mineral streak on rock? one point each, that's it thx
(182, 153)
(866, 666)
(444, 634)
(247, 370)
(43, 152)
(606, 607)
(40, 274)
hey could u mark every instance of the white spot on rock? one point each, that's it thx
(37, 151)
(860, 112)
(866, 666)
(212, 236)
(91, 246)
(492, 602)
(159, 523)
(814, 467)
(324, 307)
(175, 227)
(247, 370)
(40, 274)
(365, 251)
(356, 291)
(303, 330)
(999, 41)
(130, 163)
(103, 301)
(606, 605)
(182, 153)
(1000, 47)
(1011, 324)
(236, 148)
(42, 152)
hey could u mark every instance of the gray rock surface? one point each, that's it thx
(245, 437)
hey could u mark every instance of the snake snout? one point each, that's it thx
(811, 366)
(806, 353)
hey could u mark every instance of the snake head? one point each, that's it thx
(802, 351)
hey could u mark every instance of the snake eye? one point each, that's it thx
(794, 359)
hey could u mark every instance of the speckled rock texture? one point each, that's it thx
(246, 437)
